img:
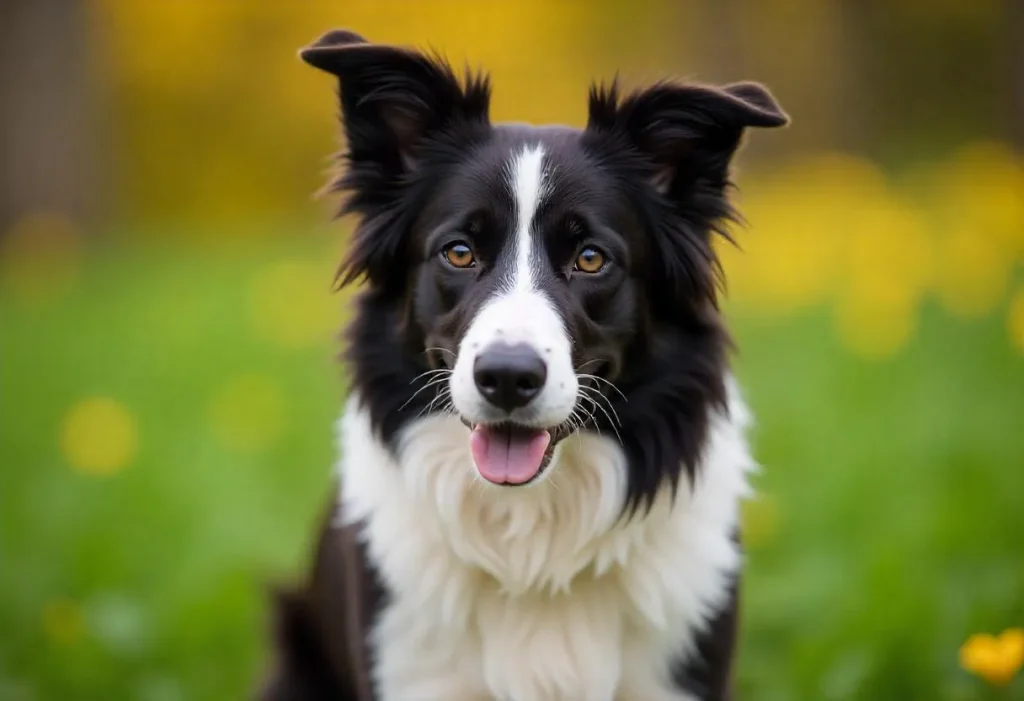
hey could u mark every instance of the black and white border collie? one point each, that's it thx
(543, 454)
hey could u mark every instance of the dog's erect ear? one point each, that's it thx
(681, 139)
(393, 100)
(391, 97)
(687, 131)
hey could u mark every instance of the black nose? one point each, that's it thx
(509, 376)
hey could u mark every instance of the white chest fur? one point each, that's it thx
(538, 593)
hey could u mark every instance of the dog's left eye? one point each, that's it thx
(459, 255)
(590, 260)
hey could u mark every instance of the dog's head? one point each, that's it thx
(537, 281)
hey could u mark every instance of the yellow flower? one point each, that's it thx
(99, 436)
(994, 659)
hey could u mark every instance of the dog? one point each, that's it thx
(543, 454)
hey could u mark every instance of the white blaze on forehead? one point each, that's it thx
(519, 312)
(528, 188)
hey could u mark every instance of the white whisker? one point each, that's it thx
(596, 398)
(592, 360)
(432, 383)
(440, 350)
(428, 373)
(599, 407)
(606, 381)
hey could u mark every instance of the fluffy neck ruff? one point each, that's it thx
(543, 537)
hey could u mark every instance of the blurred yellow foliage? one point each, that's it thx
(217, 119)
(800, 217)
(889, 268)
(995, 659)
(831, 230)
(980, 200)
(248, 413)
(216, 114)
(99, 436)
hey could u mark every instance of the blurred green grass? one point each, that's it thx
(889, 529)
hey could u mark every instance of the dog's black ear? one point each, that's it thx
(679, 140)
(391, 97)
(687, 132)
(393, 100)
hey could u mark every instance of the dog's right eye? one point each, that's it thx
(459, 255)
(590, 260)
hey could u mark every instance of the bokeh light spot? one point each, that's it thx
(292, 306)
(247, 413)
(99, 436)
(62, 622)
(118, 622)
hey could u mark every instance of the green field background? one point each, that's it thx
(169, 382)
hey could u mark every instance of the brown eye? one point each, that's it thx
(459, 255)
(590, 260)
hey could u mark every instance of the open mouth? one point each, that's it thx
(509, 453)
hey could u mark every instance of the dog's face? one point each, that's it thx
(527, 281)
(537, 280)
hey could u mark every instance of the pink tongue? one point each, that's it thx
(508, 457)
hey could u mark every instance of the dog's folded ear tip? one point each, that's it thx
(759, 97)
(312, 56)
(338, 38)
(334, 39)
